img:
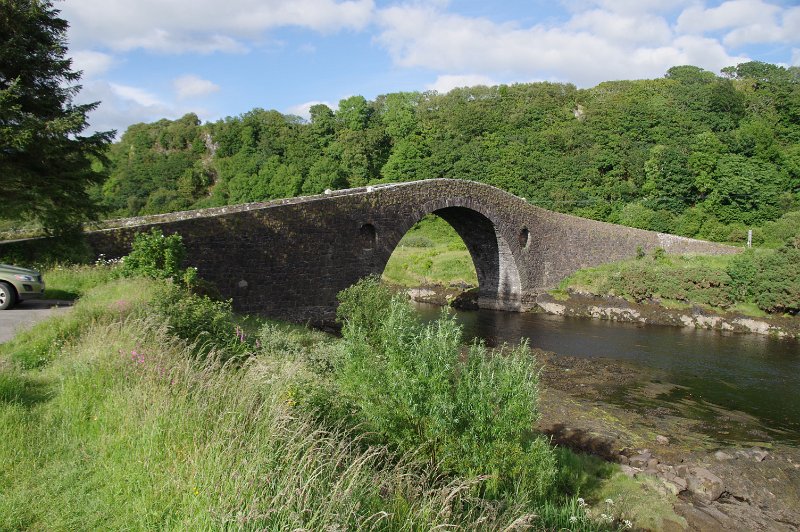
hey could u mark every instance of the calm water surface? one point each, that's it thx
(751, 373)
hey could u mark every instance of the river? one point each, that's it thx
(709, 373)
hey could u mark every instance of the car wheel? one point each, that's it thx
(7, 296)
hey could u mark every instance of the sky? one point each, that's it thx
(152, 59)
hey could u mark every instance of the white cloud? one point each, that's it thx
(303, 110)
(178, 26)
(190, 86)
(627, 7)
(447, 82)
(121, 106)
(795, 56)
(745, 22)
(91, 63)
(630, 28)
(580, 51)
(135, 94)
(731, 14)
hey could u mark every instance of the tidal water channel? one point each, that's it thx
(709, 374)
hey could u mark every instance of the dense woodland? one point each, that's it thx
(691, 153)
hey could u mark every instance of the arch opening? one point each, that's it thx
(493, 268)
(431, 254)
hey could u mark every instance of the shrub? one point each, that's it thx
(157, 256)
(771, 280)
(197, 318)
(416, 241)
(473, 417)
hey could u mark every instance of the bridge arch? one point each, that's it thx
(496, 266)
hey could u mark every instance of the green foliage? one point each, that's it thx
(431, 253)
(46, 164)
(125, 390)
(766, 280)
(693, 153)
(770, 280)
(474, 416)
(71, 282)
(156, 256)
(198, 319)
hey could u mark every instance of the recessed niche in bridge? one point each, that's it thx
(524, 237)
(368, 236)
(430, 254)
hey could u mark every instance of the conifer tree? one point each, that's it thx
(45, 162)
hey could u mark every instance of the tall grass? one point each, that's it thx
(128, 425)
(135, 435)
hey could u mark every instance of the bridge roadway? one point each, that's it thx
(289, 258)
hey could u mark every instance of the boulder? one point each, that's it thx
(704, 484)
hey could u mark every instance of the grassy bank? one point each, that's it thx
(155, 408)
(431, 253)
(756, 282)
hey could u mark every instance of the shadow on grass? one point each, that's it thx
(22, 390)
(60, 294)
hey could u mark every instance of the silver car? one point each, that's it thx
(18, 284)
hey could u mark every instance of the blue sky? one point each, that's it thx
(151, 59)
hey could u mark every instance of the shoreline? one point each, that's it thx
(611, 308)
(719, 470)
(619, 309)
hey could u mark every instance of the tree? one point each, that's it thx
(45, 163)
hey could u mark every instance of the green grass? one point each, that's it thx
(679, 282)
(124, 425)
(595, 279)
(431, 253)
(71, 282)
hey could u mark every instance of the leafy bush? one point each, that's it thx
(197, 318)
(156, 256)
(473, 416)
(416, 241)
(771, 280)
(657, 278)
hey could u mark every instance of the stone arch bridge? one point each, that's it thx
(289, 258)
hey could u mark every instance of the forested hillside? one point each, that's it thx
(691, 153)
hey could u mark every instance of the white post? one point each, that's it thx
(749, 238)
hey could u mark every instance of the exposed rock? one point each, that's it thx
(553, 308)
(721, 455)
(640, 460)
(662, 440)
(704, 484)
(583, 304)
(758, 454)
(418, 294)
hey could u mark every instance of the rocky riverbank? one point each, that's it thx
(618, 309)
(579, 305)
(713, 479)
(716, 469)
